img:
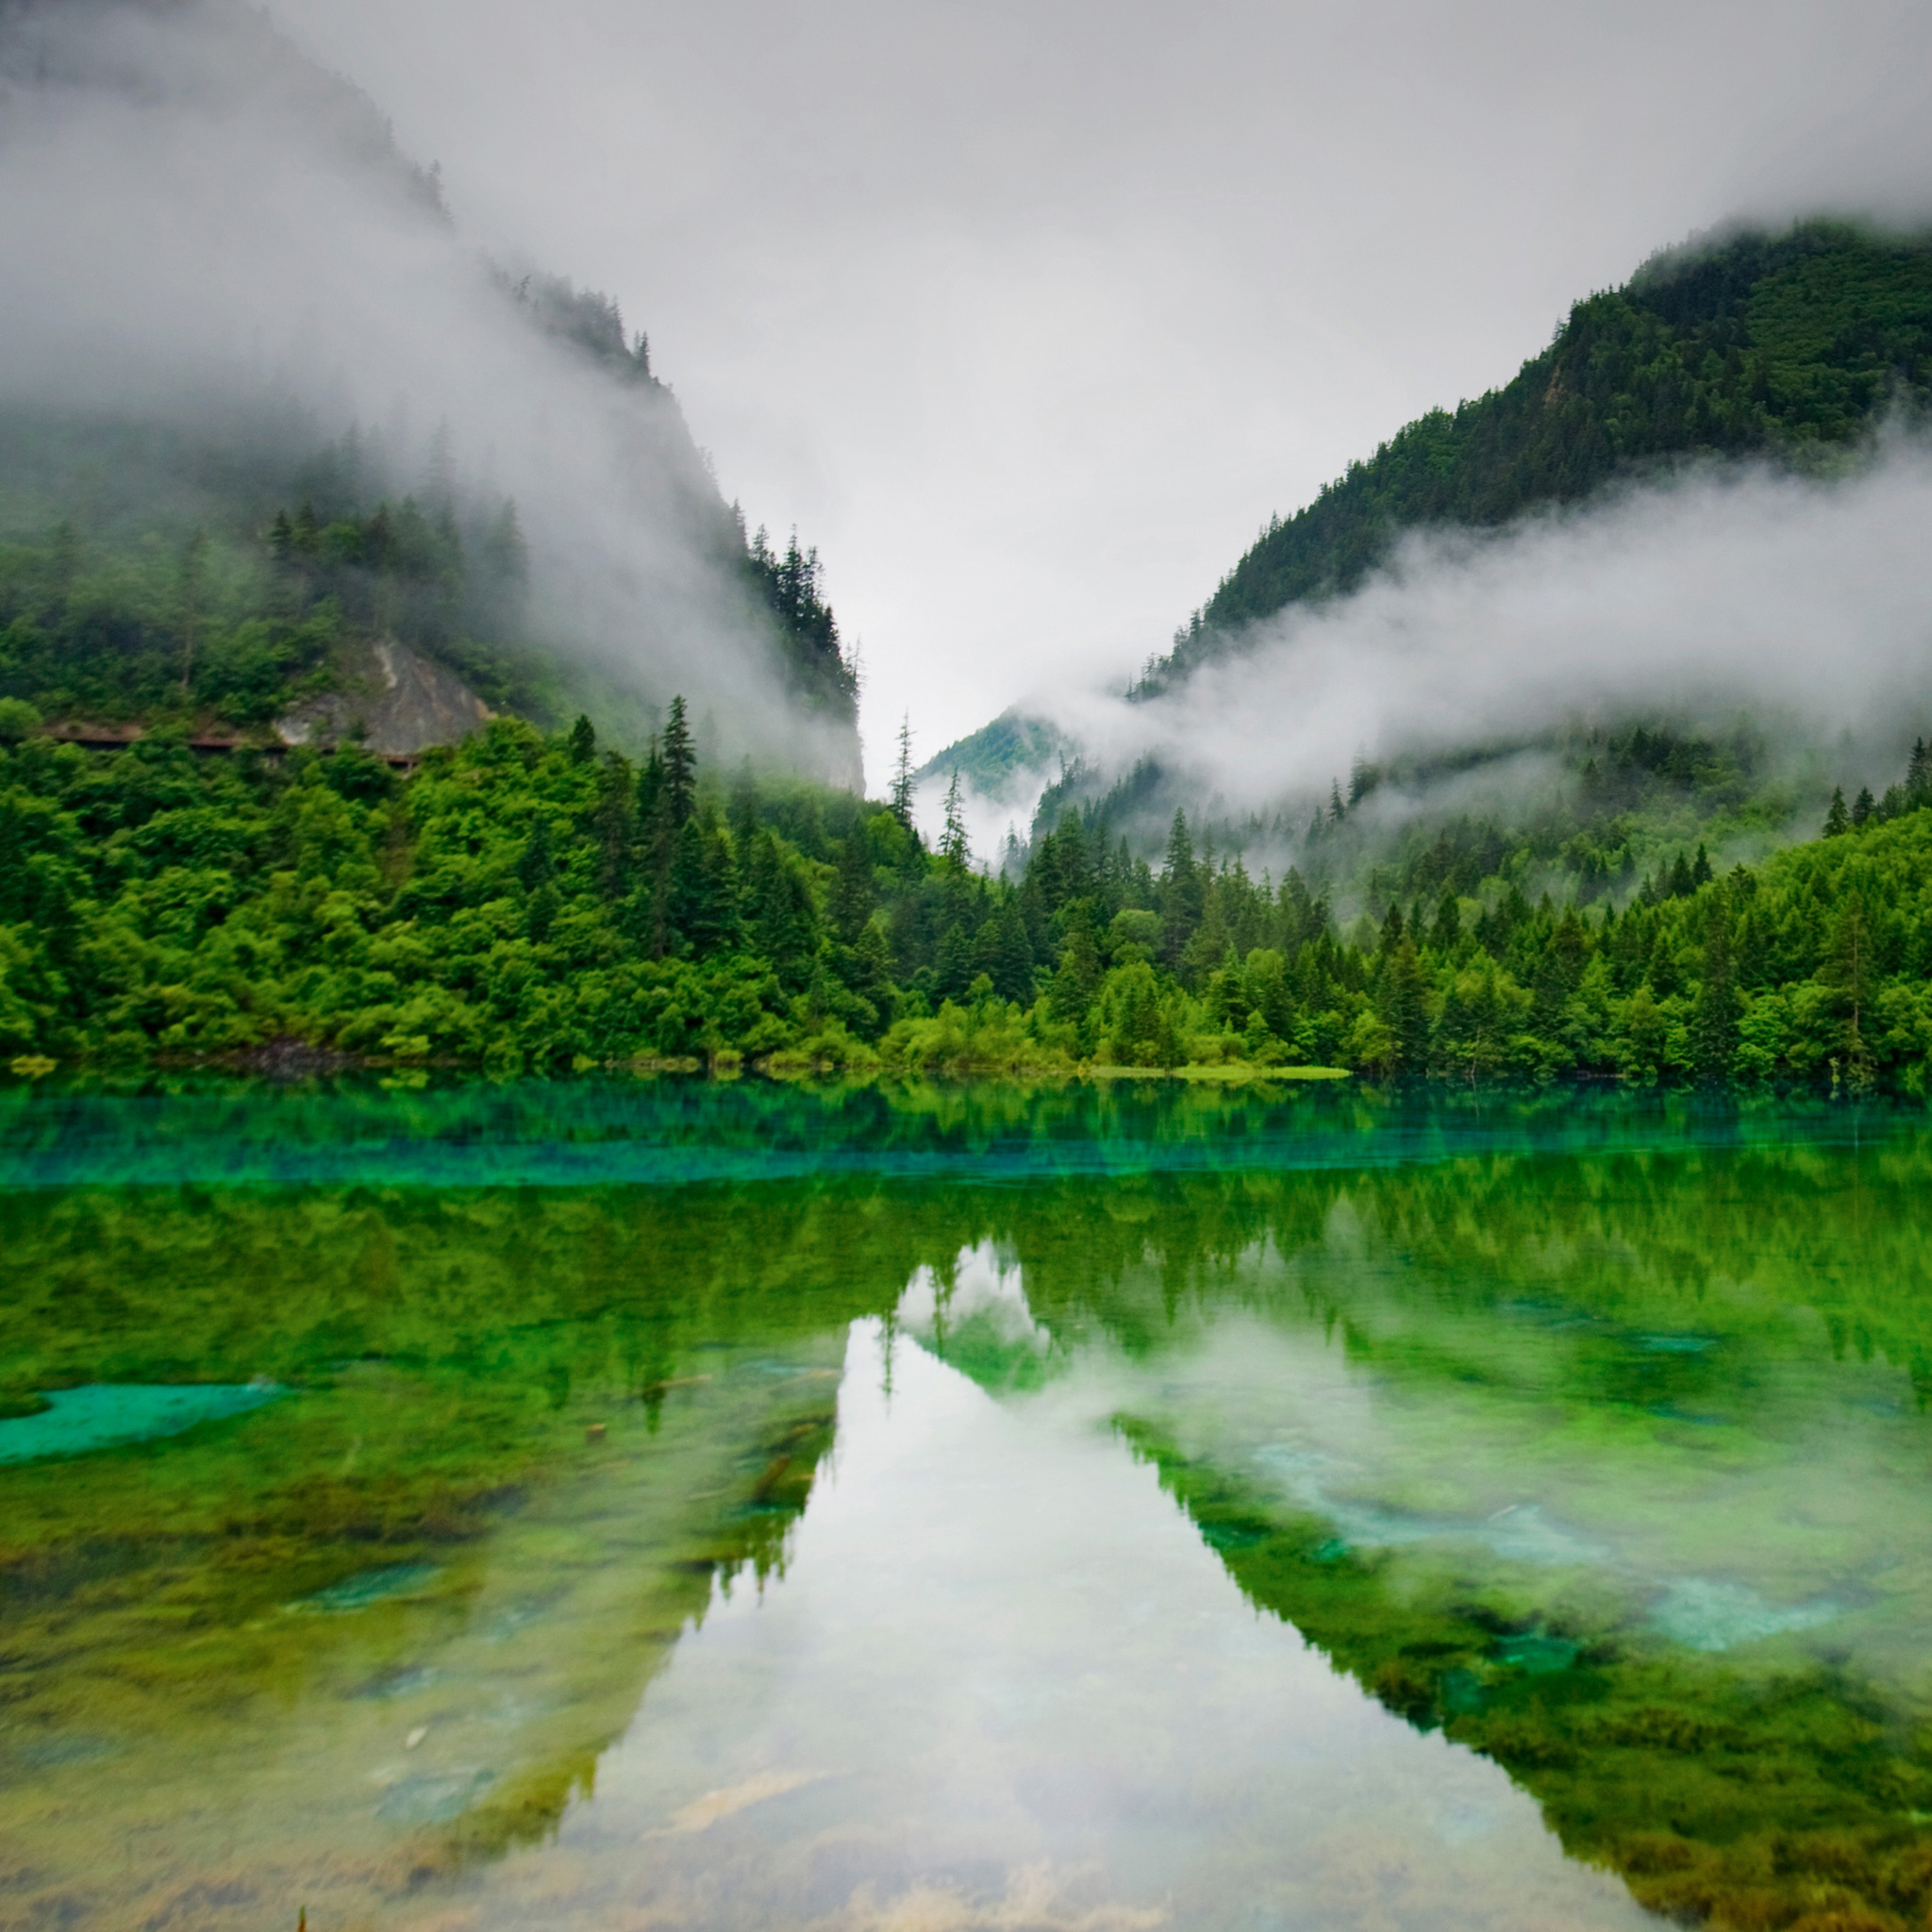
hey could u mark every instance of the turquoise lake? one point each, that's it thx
(627, 1504)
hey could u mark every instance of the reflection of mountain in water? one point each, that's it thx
(417, 1598)
(1611, 1469)
(1607, 1461)
(972, 1313)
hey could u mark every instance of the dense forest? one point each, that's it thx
(225, 625)
(1788, 347)
(539, 902)
(213, 524)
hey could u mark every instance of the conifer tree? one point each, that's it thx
(1078, 973)
(1849, 966)
(854, 895)
(1403, 1003)
(952, 967)
(743, 817)
(1066, 997)
(538, 865)
(871, 978)
(1714, 1014)
(953, 846)
(1014, 954)
(1182, 893)
(900, 799)
(680, 766)
(1919, 773)
(613, 823)
(506, 557)
(1835, 822)
(650, 790)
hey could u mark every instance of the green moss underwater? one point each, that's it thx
(1592, 1435)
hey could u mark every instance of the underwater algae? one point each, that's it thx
(529, 1430)
(220, 1645)
(1733, 1795)
(102, 1415)
(1746, 1748)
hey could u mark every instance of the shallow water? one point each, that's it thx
(622, 1505)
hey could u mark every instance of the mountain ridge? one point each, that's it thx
(1788, 346)
(209, 540)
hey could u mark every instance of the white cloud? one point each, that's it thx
(1030, 317)
(1729, 590)
(199, 228)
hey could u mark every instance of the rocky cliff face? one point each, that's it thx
(397, 701)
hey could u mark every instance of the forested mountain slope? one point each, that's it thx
(273, 422)
(534, 903)
(1789, 347)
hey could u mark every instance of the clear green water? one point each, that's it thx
(627, 1505)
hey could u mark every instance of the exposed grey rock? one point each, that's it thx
(403, 701)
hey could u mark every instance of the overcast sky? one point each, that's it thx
(1030, 316)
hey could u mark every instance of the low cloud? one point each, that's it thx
(201, 231)
(1806, 604)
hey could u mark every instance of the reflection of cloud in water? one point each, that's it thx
(983, 1289)
(1037, 1705)
(981, 1324)
(1521, 1532)
(1691, 1611)
(1033, 1903)
(1464, 1823)
(1703, 1615)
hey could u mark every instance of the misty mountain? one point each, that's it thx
(1001, 759)
(1665, 589)
(270, 427)
(1786, 346)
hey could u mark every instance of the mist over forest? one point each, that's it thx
(229, 294)
(1284, 1288)
(383, 669)
(1699, 510)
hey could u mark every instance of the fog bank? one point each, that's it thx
(1807, 604)
(202, 231)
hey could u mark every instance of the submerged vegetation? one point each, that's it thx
(1543, 1438)
(524, 901)
(1584, 1431)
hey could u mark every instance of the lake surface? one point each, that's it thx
(630, 1504)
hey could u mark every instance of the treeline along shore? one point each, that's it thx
(525, 902)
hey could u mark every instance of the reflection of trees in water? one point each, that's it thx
(1722, 1793)
(451, 1355)
(455, 1341)
(1626, 1287)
